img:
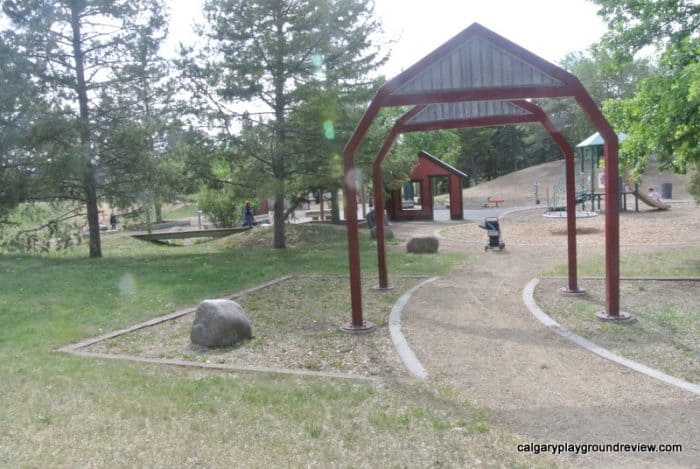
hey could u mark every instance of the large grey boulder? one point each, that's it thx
(423, 245)
(220, 323)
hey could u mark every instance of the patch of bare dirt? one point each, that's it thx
(679, 225)
(471, 329)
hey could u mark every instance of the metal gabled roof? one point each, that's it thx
(466, 110)
(477, 64)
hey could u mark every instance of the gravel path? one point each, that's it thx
(472, 331)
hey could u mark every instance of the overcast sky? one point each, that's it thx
(548, 28)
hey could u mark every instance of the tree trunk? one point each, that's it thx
(93, 215)
(335, 206)
(158, 206)
(280, 241)
(278, 164)
(89, 180)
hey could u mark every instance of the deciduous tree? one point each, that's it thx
(663, 117)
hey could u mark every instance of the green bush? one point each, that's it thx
(222, 208)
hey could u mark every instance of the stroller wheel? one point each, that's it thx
(486, 248)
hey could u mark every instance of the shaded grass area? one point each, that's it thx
(61, 410)
(666, 333)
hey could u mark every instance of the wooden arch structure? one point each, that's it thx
(479, 78)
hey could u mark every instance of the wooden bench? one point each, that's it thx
(260, 219)
(493, 202)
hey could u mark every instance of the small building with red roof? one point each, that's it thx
(415, 200)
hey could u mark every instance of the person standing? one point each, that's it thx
(248, 217)
(113, 221)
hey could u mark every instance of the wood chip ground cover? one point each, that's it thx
(295, 325)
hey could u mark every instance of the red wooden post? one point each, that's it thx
(456, 205)
(573, 288)
(358, 323)
(379, 209)
(612, 215)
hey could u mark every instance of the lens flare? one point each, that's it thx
(329, 130)
(127, 285)
(319, 68)
(351, 178)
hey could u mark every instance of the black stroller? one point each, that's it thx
(493, 230)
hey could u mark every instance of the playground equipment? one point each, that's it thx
(491, 202)
(591, 149)
(493, 231)
(564, 214)
(557, 202)
(651, 202)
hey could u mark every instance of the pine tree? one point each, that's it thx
(263, 53)
(83, 53)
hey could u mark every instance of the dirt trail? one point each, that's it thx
(472, 330)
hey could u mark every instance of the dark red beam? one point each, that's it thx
(480, 94)
(350, 194)
(488, 121)
(612, 214)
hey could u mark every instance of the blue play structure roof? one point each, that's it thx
(597, 140)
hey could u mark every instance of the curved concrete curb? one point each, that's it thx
(528, 298)
(414, 366)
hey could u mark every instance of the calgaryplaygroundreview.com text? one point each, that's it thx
(585, 448)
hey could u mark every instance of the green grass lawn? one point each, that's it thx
(61, 410)
(666, 332)
(683, 262)
(187, 210)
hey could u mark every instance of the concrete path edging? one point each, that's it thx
(528, 298)
(409, 359)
